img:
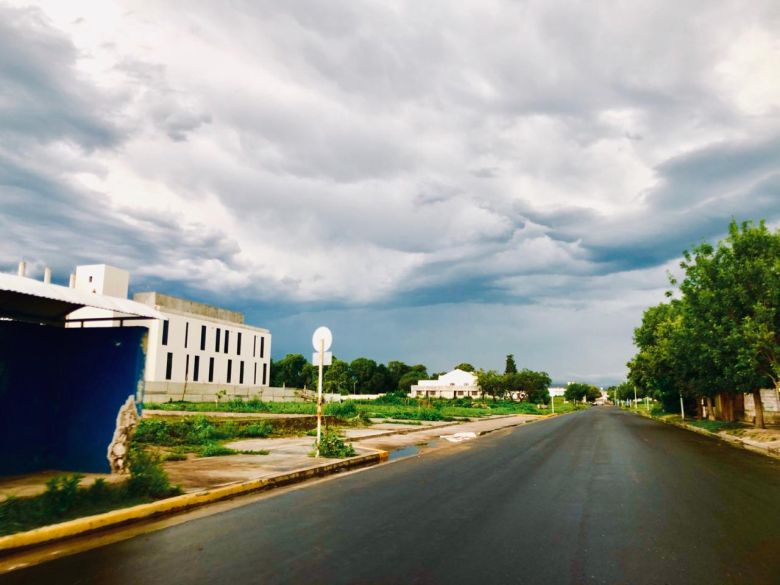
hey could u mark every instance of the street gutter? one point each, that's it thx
(731, 440)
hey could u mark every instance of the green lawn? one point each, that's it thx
(399, 408)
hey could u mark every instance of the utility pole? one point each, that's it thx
(682, 407)
(634, 397)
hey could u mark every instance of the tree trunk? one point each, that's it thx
(759, 407)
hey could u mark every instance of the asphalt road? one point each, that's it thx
(599, 496)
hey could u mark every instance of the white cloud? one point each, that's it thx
(388, 154)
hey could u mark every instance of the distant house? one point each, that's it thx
(454, 384)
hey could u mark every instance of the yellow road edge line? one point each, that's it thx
(87, 524)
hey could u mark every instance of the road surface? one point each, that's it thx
(597, 496)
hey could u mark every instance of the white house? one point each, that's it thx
(195, 351)
(454, 384)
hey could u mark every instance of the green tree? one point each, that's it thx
(577, 391)
(466, 367)
(535, 385)
(396, 369)
(337, 378)
(732, 295)
(363, 369)
(410, 378)
(380, 381)
(491, 383)
(510, 367)
(291, 371)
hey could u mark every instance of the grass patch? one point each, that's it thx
(215, 450)
(64, 498)
(197, 435)
(715, 426)
(390, 407)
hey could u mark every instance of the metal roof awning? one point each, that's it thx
(27, 299)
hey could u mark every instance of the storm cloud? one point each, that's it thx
(464, 179)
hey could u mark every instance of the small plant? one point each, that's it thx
(332, 446)
(215, 450)
(61, 494)
(147, 476)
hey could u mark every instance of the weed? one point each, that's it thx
(215, 450)
(262, 429)
(332, 446)
(147, 476)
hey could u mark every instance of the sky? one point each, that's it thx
(437, 182)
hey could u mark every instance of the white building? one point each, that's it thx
(454, 384)
(196, 350)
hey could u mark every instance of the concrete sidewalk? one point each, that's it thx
(289, 460)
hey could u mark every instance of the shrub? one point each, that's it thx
(147, 476)
(61, 494)
(152, 431)
(333, 446)
(215, 450)
(396, 397)
(262, 429)
(345, 409)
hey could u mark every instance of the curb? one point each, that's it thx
(113, 518)
(427, 428)
(729, 440)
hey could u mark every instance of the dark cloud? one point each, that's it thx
(517, 159)
(42, 97)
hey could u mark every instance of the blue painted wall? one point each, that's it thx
(60, 392)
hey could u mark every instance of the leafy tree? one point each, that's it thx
(732, 295)
(466, 367)
(380, 381)
(535, 385)
(291, 371)
(396, 369)
(491, 383)
(363, 369)
(511, 367)
(723, 335)
(337, 378)
(414, 375)
(576, 391)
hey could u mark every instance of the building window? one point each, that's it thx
(211, 369)
(196, 367)
(238, 343)
(265, 370)
(255, 378)
(186, 333)
(186, 367)
(165, 332)
(216, 345)
(169, 366)
(230, 370)
(262, 346)
(227, 340)
(203, 338)
(241, 371)
(254, 348)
